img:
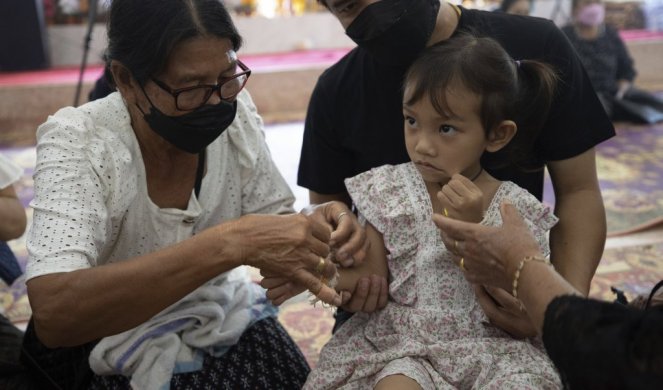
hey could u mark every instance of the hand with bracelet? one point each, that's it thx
(507, 257)
(587, 339)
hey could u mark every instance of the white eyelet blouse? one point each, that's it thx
(91, 204)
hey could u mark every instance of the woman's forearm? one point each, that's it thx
(538, 285)
(76, 307)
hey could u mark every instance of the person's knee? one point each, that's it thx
(398, 381)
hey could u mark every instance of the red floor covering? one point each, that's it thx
(257, 63)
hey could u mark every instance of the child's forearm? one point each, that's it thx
(375, 263)
(348, 277)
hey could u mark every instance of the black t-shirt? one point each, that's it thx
(354, 120)
(601, 345)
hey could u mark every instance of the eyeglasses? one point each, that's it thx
(191, 98)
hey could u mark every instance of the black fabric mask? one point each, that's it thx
(395, 31)
(192, 132)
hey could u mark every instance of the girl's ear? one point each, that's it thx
(501, 135)
(124, 81)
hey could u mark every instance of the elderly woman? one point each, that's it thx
(148, 202)
(594, 344)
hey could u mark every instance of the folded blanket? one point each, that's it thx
(209, 320)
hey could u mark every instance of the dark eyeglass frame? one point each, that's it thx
(212, 87)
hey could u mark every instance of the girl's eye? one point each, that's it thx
(446, 129)
(409, 120)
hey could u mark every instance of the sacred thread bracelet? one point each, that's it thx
(522, 263)
(333, 282)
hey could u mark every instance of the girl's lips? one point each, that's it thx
(426, 165)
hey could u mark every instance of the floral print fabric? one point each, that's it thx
(433, 329)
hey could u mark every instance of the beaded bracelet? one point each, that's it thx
(516, 275)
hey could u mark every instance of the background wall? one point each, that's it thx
(261, 35)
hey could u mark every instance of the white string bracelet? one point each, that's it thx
(333, 282)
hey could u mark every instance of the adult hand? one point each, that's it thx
(505, 311)
(490, 254)
(370, 294)
(462, 199)
(293, 247)
(280, 289)
(348, 237)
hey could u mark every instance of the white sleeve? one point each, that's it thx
(9, 172)
(70, 215)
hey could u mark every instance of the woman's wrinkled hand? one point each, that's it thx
(293, 247)
(490, 254)
(462, 199)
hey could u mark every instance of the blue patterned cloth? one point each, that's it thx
(9, 268)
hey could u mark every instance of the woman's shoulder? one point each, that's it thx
(611, 33)
(246, 133)
(95, 138)
(103, 120)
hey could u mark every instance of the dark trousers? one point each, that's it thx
(13, 374)
(636, 106)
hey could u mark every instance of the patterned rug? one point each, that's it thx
(630, 171)
(632, 269)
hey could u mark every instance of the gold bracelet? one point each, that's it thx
(516, 275)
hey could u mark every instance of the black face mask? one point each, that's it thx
(395, 31)
(192, 132)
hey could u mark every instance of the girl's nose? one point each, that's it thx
(424, 146)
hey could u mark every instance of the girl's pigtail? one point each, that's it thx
(537, 84)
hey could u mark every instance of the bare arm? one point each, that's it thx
(12, 215)
(375, 263)
(79, 306)
(538, 285)
(577, 241)
(371, 291)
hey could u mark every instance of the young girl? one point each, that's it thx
(462, 98)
